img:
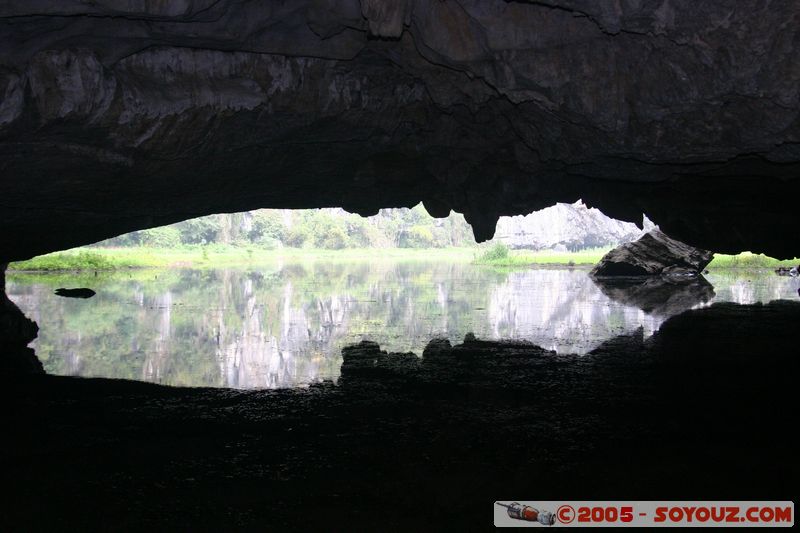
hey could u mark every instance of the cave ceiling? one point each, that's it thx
(117, 115)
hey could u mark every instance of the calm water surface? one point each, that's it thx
(285, 325)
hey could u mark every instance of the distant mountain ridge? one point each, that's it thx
(566, 227)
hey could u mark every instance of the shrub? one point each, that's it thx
(333, 238)
(297, 235)
(497, 252)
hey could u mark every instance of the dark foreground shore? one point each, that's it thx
(702, 410)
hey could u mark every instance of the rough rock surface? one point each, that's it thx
(567, 226)
(118, 115)
(653, 254)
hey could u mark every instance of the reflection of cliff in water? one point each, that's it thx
(561, 310)
(281, 326)
(261, 354)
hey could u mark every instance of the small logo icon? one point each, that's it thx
(565, 514)
(527, 513)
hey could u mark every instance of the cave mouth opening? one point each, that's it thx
(270, 298)
(561, 227)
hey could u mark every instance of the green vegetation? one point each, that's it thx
(266, 235)
(498, 255)
(215, 256)
(747, 260)
(330, 229)
(80, 259)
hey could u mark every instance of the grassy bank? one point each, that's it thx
(500, 256)
(214, 256)
(747, 260)
(85, 260)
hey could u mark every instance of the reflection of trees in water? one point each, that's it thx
(279, 326)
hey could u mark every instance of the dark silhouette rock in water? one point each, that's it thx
(367, 356)
(653, 254)
(437, 348)
(659, 295)
(655, 273)
(75, 293)
(362, 355)
(16, 331)
(475, 362)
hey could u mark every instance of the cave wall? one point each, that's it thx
(118, 115)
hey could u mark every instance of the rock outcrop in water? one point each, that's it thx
(651, 255)
(116, 116)
(474, 361)
(75, 293)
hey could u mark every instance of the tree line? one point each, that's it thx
(312, 228)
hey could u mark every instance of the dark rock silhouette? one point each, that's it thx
(75, 293)
(653, 254)
(474, 361)
(16, 332)
(366, 358)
